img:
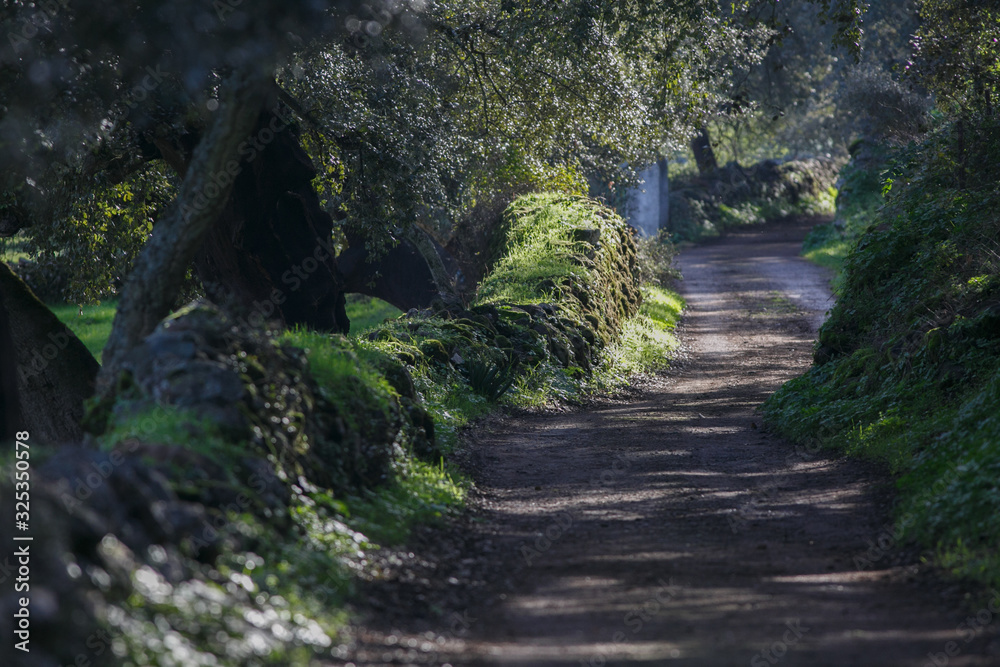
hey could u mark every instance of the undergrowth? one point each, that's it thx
(301, 460)
(461, 369)
(908, 365)
(705, 205)
(858, 199)
(91, 323)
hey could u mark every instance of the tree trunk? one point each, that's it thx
(45, 371)
(664, 185)
(152, 288)
(270, 253)
(704, 156)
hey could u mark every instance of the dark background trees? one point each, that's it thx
(243, 142)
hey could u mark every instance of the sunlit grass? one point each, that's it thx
(366, 312)
(91, 324)
(831, 255)
(646, 344)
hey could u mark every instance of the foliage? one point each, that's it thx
(885, 109)
(416, 111)
(495, 100)
(491, 380)
(957, 52)
(703, 206)
(95, 240)
(907, 364)
(554, 320)
(366, 312)
(647, 342)
(858, 199)
(656, 255)
(805, 99)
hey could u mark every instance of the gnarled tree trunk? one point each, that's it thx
(704, 156)
(270, 253)
(409, 275)
(45, 371)
(153, 286)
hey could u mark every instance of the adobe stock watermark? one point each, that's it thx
(774, 653)
(26, 27)
(970, 628)
(636, 619)
(76, 491)
(105, 132)
(293, 278)
(140, 91)
(42, 356)
(542, 543)
(213, 527)
(248, 151)
(748, 510)
(565, 520)
(459, 625)
(889, 537)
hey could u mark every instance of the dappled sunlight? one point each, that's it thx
(676, 529)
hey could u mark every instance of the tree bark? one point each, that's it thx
(152, 288)
(45, 371)
(270, 255)
(704, 156)
(409, 275)
(664, 184)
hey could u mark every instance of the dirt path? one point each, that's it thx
(671, 529)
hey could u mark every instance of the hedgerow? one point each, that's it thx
(908, 364)
(238, 482)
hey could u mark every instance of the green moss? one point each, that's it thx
(168, 425)
(548, 243)
(434, 350)
(647, 342)
(350, 392)
(421, 493)
(345, 376)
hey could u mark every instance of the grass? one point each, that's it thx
(831, 255)
(291, 577)
(14, 248)
(538, 247)
(647, 342)
(856, 205)
(367, 312)
(91, 324)
(422, 493)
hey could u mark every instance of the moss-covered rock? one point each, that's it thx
(565, 268)
(220, 441)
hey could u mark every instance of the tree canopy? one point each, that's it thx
(409, 112)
